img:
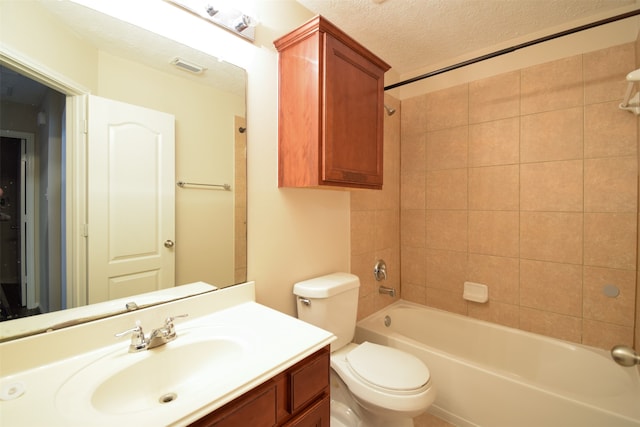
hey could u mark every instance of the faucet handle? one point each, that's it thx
(168, 324)
(170, 319)
(138, 341)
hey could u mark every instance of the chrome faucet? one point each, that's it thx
(157, 337)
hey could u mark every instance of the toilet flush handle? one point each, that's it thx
(305, 301)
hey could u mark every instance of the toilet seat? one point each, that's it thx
(388, 368)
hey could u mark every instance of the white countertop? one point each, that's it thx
(278, 341)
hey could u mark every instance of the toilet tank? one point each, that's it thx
(330, 302)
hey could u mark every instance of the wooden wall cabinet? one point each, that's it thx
(331, 104)
(298, 397)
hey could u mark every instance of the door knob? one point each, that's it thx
(169, 244)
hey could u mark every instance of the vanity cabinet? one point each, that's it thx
(331, 104)
(298, 397)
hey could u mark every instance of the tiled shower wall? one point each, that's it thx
(375, 224)
(527, 182)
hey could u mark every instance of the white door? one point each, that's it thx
(131, 216)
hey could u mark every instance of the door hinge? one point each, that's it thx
(85, 230)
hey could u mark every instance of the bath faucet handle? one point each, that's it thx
(138, 341)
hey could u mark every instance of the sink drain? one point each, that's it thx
(168, 398)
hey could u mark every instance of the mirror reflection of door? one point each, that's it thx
(31, 228)
(131, 186)
(33, 252)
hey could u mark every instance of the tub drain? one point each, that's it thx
(387, 321)
(168, 398)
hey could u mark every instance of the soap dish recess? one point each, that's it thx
(476, 292)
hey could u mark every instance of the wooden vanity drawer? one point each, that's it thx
(309, 379)
(254, 409)
(316, 415)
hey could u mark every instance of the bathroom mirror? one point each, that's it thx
(210, 244)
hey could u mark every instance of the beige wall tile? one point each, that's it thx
(413, 228)
(606, 335)
(494, 98)
(568, 213)
(413, 116)
(610, 240)
(551, 287)
(500, 274)
(554, 135)
(605, 71)
(414, 269)
(494, 188)
(446, 300)
(598, 306)
(447, 108)
(447, 230)
(495, 143)
(552, 186)
(387, 229)
(361, 266)
(389, 197)
(446, 189)
(609, 132)
(365, 200)
(493, 233)
(447, 149)
(366, 306)
(446, 270)
(412, 191)
(413, 153)
(611, 184)
(551, 236)
(552, 86)
(414, 293)
(551, 324)
(496, 312)
(362, 234)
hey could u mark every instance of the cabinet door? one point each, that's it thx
(317, 415)
(353, 126)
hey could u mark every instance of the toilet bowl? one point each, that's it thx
(385, 381)
(372, 385)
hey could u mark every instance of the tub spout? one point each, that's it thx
(388, 291)
(625, 356)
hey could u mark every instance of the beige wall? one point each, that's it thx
(526, 181)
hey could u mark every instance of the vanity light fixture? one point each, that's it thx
(221, 13)
(188, 66)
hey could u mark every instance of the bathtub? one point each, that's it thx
(494, 376)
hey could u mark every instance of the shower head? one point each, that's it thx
(390, 110)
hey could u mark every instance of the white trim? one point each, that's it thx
(76, 165)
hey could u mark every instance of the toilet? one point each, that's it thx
(371, 385)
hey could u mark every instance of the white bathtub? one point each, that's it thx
(493, 376)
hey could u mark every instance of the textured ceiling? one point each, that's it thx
(416, 34)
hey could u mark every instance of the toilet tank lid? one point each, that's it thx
(326, 286)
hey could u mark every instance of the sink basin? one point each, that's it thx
(121, 383)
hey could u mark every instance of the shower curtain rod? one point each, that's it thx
(514, 48)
